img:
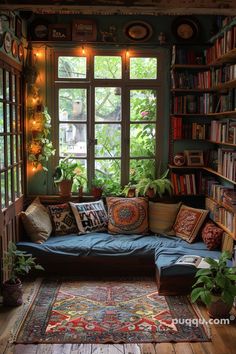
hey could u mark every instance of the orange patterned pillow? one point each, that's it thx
(188, 222)
(127, 215)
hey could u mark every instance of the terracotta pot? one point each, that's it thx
(131, 193)
(12, 293)
(150, 193)
(218, 308)
(80, 191)
(97, 192)
(65, 187)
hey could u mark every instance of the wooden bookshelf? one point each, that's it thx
(189, 91)
(210, 170)
(225, 85)
(222, 114)
(220, 143)
(190, 66)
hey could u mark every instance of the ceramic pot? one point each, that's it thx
(150, 193)
(65, 187)
(97, 192)
(12, 293)
(218, 308)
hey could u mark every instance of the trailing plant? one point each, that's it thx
(216, 281)
(40, 146)
(18, 263)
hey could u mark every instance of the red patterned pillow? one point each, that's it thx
(127, 215)
(188, 222)
(212, 235)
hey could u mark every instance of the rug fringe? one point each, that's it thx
(24, 309)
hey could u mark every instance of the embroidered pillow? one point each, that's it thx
(90, 217)
(127, 215)
(188, 222)
(37, 222)
(212, 235)
(63, 219)
(162, 216)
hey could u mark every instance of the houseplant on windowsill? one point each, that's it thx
(68, 172)
(17, 263)
(97, 187)
(215, 286)
(151, 187)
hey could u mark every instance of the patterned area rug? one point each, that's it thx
(107, 311)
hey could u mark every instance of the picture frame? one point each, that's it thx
(138, 31)
(194, 157)
(39, 30)
(18, 27)
(84, 30)
(59, 32)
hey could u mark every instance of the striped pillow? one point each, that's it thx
(162, 216)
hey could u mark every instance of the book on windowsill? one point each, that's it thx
(196, 261)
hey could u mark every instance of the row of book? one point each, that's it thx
(221, 215)
(223, 131)
(227, 163)
(190, 56)
(184, 184)
(223, 74)
(221, 46)
(188, 130)
(187, 80)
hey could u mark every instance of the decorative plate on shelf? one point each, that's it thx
(138, 31)
(39, 30)
(185, 28)
(7, 40)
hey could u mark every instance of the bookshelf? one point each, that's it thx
(203, 117)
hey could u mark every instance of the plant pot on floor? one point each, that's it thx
(12, 293)
(65, 187)
(218, 308)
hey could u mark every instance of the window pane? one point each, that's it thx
(81, 179)
(143, 105)
(1, 118)
(108, 140)
(1, 83)
(72, 104)
(72, 67)
(10, 199)
(13, 118)
(18, 119)
(109, 172)
(7, 85)
(143, 68)
(107, 104)
(14, 148)
(8, 150)
(15, 179)
(3, 199)
(73, 139)
(8, 118)
(142, 140)
(13, 88)
(20, 181)
(140, 169)
(107, 67)
(2, 162)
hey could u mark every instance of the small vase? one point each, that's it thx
(12, 294)
(65, 187)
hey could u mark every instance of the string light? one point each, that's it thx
(83, 50)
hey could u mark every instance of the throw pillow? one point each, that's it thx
(212, 235)
(188, 222)
(63, 219)
(162, 216)
(37, 222)
(127, 215)
(90, 217)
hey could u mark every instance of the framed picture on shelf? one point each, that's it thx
(84, 30)
(194, 157)
(60, 32)
(18, 27)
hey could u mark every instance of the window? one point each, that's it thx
(11, 133)
(109, 112)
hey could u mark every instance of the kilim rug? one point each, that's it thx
(108, 311)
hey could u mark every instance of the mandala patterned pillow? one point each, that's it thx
(212, 235)
(90, 217)
(188, 222)
(63, 219)
(127, 215)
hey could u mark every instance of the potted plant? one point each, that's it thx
(216, 286)
(129, 190)
(151, 187)
(97, 187)
(66, 173)
(17, 263)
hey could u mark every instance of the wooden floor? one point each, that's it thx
(223, 342)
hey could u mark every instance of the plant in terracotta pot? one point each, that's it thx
(215, 286)
(17, 263)
(151, 187)
(66, 173)
(97, 187)
(129, 190)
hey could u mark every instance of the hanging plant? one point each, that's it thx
(40, 147)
